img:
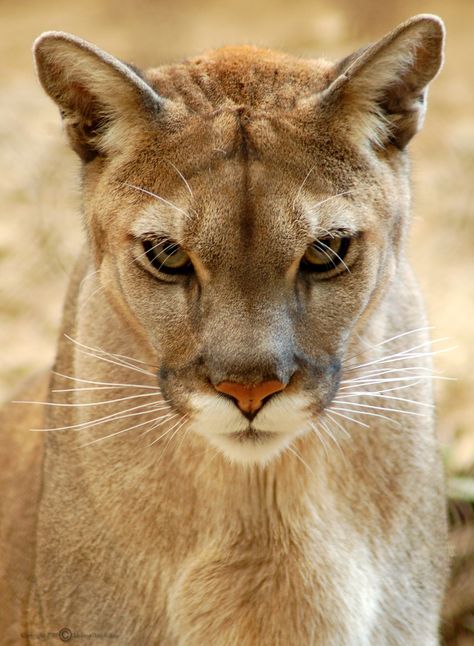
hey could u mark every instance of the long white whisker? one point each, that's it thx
(363, 412)
(389, 390)
(127, 358)
(333, 252)
(116, 363)
(93, 352)
(377, 372)
(158, 197)
(108, 418)
(392, 338)
(298, 456)
(298, 193)
(330, 434)
(404, 354)
(152, 428)
(79, 405)
(100, 383)
(335, 421)
(182, 177)
(179, 424)
(157, 391)
(125, 430)
(374, 394)
(370, 406)
(392, 379)
(351, 419)
(332, 197)
(321, 438)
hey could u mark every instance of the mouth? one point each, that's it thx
(250, 442)
(251, 434)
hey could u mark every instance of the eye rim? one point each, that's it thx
(149, 244)
(339, 256)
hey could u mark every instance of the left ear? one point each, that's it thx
(384, 87)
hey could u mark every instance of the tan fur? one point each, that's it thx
(214, 535)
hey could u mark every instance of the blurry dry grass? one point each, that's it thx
(40, 231)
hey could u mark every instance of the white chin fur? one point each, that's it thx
(279, 423)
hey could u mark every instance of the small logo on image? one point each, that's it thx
(65, 634)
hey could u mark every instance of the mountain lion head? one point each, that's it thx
(246, 212)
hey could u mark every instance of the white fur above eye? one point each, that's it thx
(270, 432)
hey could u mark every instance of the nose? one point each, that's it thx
(250, 398)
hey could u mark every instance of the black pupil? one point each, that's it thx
(158, 253)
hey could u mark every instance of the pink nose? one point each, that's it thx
(250, 398)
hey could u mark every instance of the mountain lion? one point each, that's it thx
(235, 445)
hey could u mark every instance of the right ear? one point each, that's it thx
(93, 90)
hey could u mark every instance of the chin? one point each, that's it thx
(269, 434)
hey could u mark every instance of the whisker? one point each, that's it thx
(182, 177)
(298, 193)
(166, 417)
(404, 354)
(89, 275)
(401, 399)
(371, 406)
(332, 197)
(80, 405)
(331, 435)
(179, 425)
(389, 390)
(363, 412)
(370, 382)
(392, 338)
(335, 254)
(93, 353)
(184, 436)
(321, 438)
(298, 456)
(156, 390)
(99, 383)
(335, 421)
(107, 418)
(330, 234)
(124, 356)
(377, 372)
(116, 363)
(125, 430)
(158, 197)
(351, 419)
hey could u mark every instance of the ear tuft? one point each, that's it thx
(92, 89)
(384, 86)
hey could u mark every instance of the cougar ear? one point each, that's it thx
(94, 91)
(384, 86)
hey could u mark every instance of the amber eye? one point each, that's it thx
(167, 256)
(326, 254)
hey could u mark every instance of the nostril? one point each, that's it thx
(250, 398)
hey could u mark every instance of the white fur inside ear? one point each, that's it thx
(279, 422)
(384, 86)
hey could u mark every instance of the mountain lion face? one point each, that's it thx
(246, 210)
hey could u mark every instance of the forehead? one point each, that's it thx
(241, 149)
(241, 76)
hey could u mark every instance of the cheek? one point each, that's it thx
(163, 312)
(332, 308)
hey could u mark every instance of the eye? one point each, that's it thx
(326, 254)
(167, 256)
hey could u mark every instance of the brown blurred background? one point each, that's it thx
(40, 230)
